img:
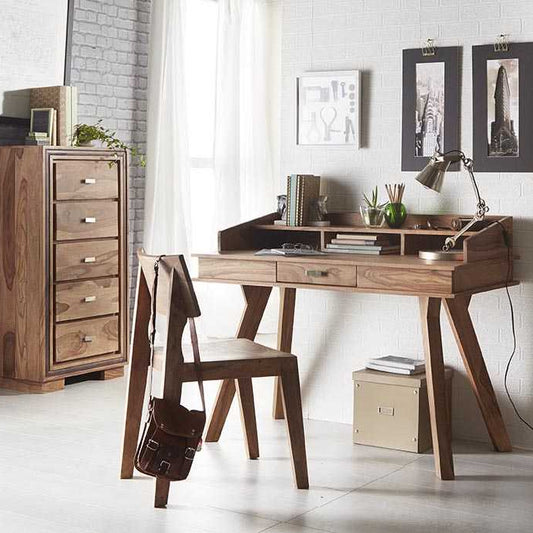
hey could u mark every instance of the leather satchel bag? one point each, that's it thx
(172, 434)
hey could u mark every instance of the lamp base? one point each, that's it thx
(441, 255)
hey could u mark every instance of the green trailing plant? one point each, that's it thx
(373, 203)
(85, 133)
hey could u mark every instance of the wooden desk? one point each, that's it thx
(486, 265)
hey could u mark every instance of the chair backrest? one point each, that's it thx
(175, 299)
(173, 276)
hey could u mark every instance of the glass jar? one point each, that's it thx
(373, 217)
(395, 215)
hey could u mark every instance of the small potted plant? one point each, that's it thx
(372, 213)
(97, 135)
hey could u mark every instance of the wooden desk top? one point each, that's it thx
(392, 261)
(484, 267)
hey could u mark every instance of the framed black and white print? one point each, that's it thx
(503, 108)
(430, 105)
(328, 108)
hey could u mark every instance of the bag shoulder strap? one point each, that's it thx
(192, 330)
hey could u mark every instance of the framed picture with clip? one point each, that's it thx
(328, 108)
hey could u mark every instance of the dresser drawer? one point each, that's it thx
(233, 269)
(405, 279)
(86, 299)
(86, 338)
(317, 273)
(81, 260)
(84, 180)
(86, 220)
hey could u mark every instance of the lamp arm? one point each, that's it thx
(482, 207)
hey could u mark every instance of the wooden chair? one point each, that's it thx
(235, 359)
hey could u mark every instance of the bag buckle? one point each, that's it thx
(189, 453)
(164, 467)
(152, 445)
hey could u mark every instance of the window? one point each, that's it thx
(200, 65)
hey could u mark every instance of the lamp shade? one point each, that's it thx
(432, 175)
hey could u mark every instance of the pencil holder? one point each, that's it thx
(395, 214)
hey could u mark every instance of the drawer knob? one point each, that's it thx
(316, 273)
(89, 181)
(89, 260)
(89, 220)
(87, 338)
(88, 299)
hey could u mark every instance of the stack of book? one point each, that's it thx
(64, 99)
(362, 243)
(396, 365)
(37, 138)
(303, 191)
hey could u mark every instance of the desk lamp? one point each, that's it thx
(432, 177)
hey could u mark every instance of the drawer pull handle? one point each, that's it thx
(87, 338)
(88, 299)
(89, 181)
(89, 220)
(316, 273)
(89, 259)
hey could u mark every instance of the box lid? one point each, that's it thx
(374, 376)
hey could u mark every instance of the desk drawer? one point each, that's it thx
(234, 269)
(86, 299)
(86, 338)
(86, 220)
(90, 259)
(404, 279)
(317, 274)
(85, 180)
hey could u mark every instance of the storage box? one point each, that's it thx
(391, 410)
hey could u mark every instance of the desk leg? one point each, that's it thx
(256, 299)
(287, 299)
(436, 385)
(465, 335)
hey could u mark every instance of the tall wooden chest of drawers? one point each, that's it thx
(63, 265)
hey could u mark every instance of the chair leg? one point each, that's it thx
(249, 424)
(139, 362)
(162, 488)
(292, 404)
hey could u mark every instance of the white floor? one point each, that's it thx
(59, 459)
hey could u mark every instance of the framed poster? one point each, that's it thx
(430, 105)
(503, 108)
(328, 108)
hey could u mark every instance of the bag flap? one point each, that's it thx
(177, 420)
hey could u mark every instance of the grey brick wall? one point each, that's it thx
(109, 67)
(369, 35)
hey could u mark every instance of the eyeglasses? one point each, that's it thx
(296, 246)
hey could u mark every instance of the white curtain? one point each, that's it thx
(167, 196)
(246, 122)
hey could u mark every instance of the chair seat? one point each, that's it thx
(233, 350)
(239, 357)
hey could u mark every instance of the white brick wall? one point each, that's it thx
(109, 67)
(335, 333)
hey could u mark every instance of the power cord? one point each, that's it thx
(513, 326)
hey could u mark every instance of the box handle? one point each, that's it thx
(89, 220)
(87, 338)
(388, 411)
(88, 299)
(89, 260)
(89, 181)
